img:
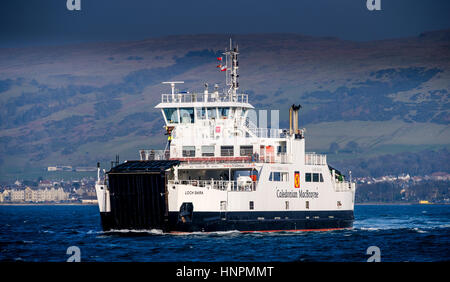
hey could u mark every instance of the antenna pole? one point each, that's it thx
(232, 69)
(172, 86)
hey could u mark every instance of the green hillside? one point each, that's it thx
(79, 104)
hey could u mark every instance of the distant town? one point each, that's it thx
(432, 188)
(49, 191)
(437, 176)
(70, 168)
(404, 188)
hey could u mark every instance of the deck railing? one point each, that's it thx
(226, 157)
(281, 158)
(315, 159)
(154, 155)
(222, 185)
(344, 186)
(310, 158)
(262, 132)
(201, 97)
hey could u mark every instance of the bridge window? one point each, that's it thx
(246, 150)
(212, 113)
(208, 151)
(223, 112)
(187, 115)
(188, 151)
(171, 115)
(201, 113)
(227, 151)
(233, 112)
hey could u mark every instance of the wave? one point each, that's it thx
(420, 225)
(160, 232)
(129, 231)
(417, 224)
(218, 233)
(47, 231)
(207, 234)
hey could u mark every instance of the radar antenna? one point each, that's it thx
(172, 85)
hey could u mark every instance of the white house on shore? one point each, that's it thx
(34, 196)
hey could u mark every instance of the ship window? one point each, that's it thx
(246, 150)
(287, 204)
(223, 112)
(187, 115)
(188, 151)
(212, 113)
(251, 205)
(275, 176)
(321, 177)
(233, 112)
(307, 177)
(227, 151)
(223, 205)
(279, 176)
(201, 113)
(208, 151)
(307, 205)
(171, 115)
(315, 177)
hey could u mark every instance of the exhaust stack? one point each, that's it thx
(290, 120)
(293, 119)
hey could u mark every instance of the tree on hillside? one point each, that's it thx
(334, 148)
(351, 147)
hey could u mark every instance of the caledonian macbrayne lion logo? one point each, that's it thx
(297, 179)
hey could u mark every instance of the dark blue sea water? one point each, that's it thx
(401, 232)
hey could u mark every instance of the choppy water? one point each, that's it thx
(401, 232)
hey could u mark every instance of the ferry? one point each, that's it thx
(219, 171)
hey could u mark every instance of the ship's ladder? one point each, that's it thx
(250, 127)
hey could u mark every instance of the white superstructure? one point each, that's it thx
(231, 167)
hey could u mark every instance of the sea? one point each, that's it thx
(387, 233)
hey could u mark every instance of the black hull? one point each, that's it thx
(139, 201)
(248, 221)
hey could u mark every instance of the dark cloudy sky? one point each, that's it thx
(31, 22)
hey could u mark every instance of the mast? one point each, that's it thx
(232, 67)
